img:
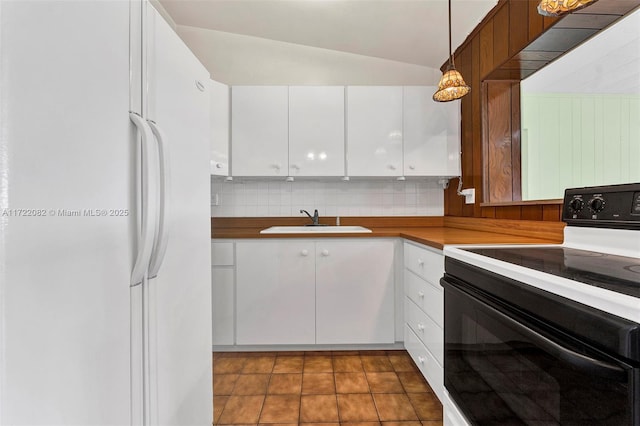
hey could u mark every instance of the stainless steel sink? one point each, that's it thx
(315, 230)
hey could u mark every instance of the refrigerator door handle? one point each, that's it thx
(148, 201)
(162, 235)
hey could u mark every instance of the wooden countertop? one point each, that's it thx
(435, 232)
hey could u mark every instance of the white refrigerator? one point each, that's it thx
(105, 292)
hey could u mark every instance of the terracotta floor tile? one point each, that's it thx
(376, 363)
(356, 408)
(414, 382)
(432, 423)
(318, 408)
(345, 353)
(218, 405)
(288, 364)
(384, 382)
(318, 383)
(280, 409)
(260, 364)
(229, 365)
(360, 424)
(285, 384)
(402, 363)
(411, 423)
(223, 383)
(242, 410)
(344, 364)
(290, 353)
(321, 424)
(251, 384)
(427, 406)
(318, 364)
(351, 383)
(394, 406)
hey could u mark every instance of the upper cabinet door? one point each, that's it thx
(219, 128)
(316, 131)
(431, 134)
(259, 130)
(374, 131)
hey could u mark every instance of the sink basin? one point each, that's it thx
(314, 230)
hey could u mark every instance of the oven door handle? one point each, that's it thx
(584, 362)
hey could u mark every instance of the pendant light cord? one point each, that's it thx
(451, 64)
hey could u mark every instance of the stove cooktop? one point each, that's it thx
(612, 272)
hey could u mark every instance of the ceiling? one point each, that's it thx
(407, 31)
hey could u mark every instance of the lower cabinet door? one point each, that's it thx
(275, 283)
(355, 292)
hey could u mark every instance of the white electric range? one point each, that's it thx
(532, 331)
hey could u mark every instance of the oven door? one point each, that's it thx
(505, 368)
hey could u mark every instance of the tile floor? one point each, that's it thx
(328, 388)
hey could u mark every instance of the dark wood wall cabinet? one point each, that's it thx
(512, 42)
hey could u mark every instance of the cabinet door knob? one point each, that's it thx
(218, 166)
(325, 252)
(421, 359)
(295, 166)
(392, 167)
(421, 327)
(305, 252)
(412, 167)
(276, 167)
(421, 294)
(420, 262)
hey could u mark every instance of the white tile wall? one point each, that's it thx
(251, 198)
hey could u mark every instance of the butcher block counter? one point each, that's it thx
(431, 231)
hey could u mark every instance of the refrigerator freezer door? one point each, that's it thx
(180, 295)
(66, 213)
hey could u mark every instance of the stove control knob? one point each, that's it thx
(576, 205)
(596, 204)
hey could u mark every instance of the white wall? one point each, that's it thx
(256, 198)
(236, 59)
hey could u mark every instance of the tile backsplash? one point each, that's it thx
(256, 198)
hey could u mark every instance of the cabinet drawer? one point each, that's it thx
(428, 331)
(429, 298)
(427, 263)
(222, 253)
(429, 367)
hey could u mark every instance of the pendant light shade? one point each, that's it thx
(561, 7)
(451, 86)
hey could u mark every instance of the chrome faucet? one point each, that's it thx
(314, 218)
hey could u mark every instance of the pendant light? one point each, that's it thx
(561, 7)
(451, 85)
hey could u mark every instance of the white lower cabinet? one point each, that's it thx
(355, 292)
(275, 299)
(325, 291)
(423, 312)
(222, 291)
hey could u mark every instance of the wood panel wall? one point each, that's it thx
(512, 42)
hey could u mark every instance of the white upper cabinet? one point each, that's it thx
(259, 123)
(431, 134)
(316, 131)
(219, 110)
(374, 131)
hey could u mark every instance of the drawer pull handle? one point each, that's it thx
(420, 327)
(305, 252)
(420, 262)
(325, 253)
(421, 294)
(421, 359)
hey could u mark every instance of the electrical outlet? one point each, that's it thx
(469, 195)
